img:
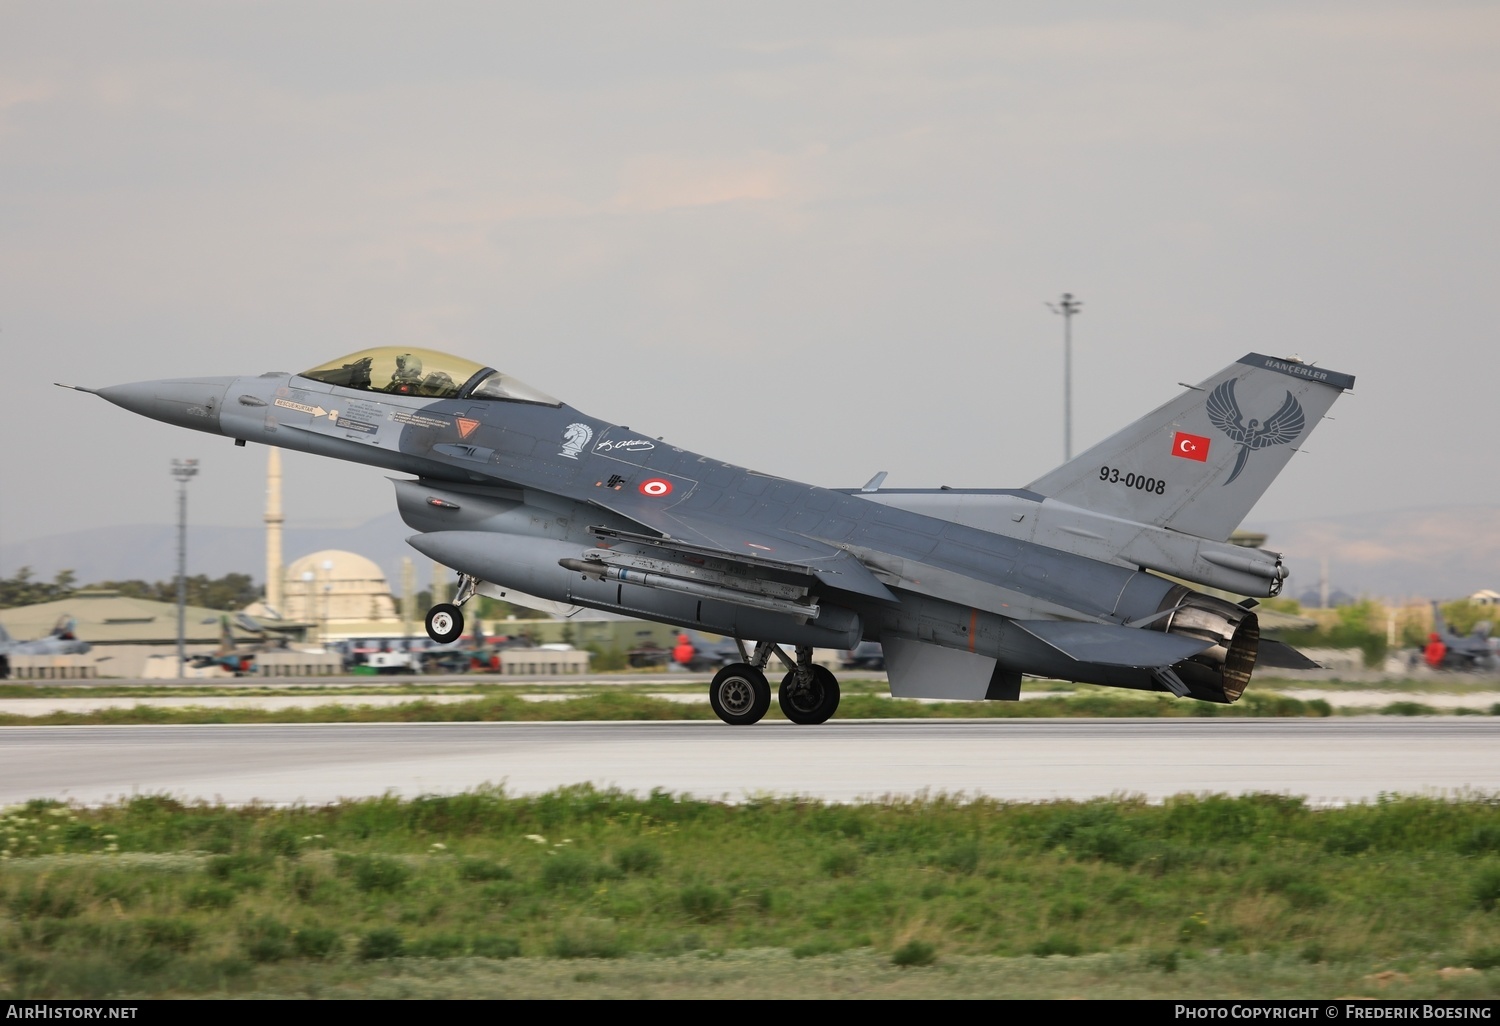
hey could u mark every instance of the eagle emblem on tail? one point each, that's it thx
(1281, 427)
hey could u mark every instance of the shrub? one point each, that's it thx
(1056, 945)
(590, 940)
(306, 882)
(703, 903)
(35, 902)
(315, 942)
(490, 946)
(209, 896)
(266, 940)
(281, 841)
(1482, 840)
(638, 858)
(484, 869)
(242, 871)
(443, 945)
(381, 944)
(1486, 888)
(372, 873)
(1166, 961)
(841, 862)
(914, 952)
(962, 858)
(815, 947)
(569, 869)
(170, 934)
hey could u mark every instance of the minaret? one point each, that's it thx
(274, 519)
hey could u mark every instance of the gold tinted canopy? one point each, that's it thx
(402, 370)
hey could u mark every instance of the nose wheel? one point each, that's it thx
(445, 621)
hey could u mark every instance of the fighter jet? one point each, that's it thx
(63, 640)
(1472, 651)
(967, 590)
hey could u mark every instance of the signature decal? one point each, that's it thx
(1279, 428)
(624, 445)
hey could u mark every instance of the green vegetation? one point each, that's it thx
(482, 894)
(1359, 625)
(620, 705)
(24, 590)
(232, 591)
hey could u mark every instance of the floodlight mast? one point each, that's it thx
(183, 471)
(1067, 308)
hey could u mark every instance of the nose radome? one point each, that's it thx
(187, 402)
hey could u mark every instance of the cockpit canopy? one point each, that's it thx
(427, 373)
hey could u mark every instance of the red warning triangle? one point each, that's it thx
(465, 426)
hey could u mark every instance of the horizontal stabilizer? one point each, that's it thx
(1282, 656)
(1108, 645)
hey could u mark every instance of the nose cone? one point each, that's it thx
(187, 402)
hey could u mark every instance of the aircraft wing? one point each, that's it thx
(707, 536)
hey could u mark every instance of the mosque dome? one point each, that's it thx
(333, 586)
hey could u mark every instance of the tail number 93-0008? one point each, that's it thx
(1138, 481)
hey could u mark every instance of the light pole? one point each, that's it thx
(183, 471)
(1067, 307)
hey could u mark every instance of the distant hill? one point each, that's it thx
(148, 552)
(1444, 552)
(1437, 552)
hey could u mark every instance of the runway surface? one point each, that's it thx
(1326, 760)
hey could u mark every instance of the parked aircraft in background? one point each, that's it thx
(231, 655)
(1472, 651)
(63, 640)
(967, 590)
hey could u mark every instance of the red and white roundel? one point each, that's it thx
(656, 487)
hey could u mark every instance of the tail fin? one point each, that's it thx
(1198, 463)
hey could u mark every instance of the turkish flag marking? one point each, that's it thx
(1190, 447)
(465, 426)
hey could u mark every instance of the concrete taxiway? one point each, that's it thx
(1326, 760)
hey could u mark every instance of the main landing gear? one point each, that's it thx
(740, 693)
(445, 621)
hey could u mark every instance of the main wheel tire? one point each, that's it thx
(445, 623)
(812, 704)
(740, 694)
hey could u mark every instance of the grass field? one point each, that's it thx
(620, 704)
(457, 699)
(589, 893)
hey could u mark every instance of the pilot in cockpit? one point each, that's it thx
(408, 375)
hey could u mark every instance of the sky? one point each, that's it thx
(817, 239)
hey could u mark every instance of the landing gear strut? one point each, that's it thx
(445, 621)
(740, 693)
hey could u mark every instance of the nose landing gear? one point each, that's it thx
(445, 621)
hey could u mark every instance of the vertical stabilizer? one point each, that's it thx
(1200, 462)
